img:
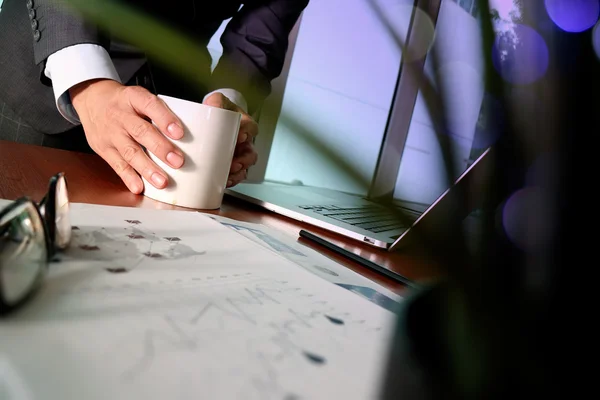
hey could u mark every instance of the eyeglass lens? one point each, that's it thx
(23, 252)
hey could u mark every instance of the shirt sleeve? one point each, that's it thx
(73, 65)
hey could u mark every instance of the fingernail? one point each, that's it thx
(243, 137)
(175, 160)
(158, 179)
(175, 130)
(136, 188)
(229, 183)
(237, 167)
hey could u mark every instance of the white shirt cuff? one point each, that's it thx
(73, 65)
(233, 95)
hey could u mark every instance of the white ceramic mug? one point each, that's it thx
(208, 144)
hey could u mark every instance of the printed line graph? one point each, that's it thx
(275, 321)
(268, 240)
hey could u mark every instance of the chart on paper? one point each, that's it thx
(207, 314)
(124, 248)
(314, 262)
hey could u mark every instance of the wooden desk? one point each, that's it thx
(26, 169)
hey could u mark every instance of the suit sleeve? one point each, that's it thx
(56, 25)
(255, 43)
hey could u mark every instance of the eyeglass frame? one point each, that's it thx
(46, 212)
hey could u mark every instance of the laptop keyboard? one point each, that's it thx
(371, 218)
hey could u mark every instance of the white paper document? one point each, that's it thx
(313, 261)
(157, 304)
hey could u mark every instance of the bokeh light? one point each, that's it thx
(596, 39)
(520, 55)
(526, 219)
(573, 15)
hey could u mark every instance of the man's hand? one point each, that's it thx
(116, 122)
(245, 155)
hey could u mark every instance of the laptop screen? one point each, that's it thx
(421, 177)
(340, 85)
(342, 82)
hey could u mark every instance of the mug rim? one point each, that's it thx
(162, 96)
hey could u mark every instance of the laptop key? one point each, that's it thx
(387, 228)
(379, 224)
(357, 215)
(362, 220)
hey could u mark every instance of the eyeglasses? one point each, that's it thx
(30, 236)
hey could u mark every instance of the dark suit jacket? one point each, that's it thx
(255, 41)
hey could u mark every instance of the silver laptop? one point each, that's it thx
(364, 218)
(359, 217)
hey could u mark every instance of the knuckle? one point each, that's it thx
(250, 125)
(120, 167)
(158, 147)
(139, 130)
(133, 91)
(218, 98)
(245, 161)
(150, 102)
(129, 152)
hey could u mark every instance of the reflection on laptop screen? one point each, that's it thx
(421, 177)
(340, 84)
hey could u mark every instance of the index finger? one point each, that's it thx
(151, 106)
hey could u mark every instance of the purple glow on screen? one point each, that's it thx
(573, 15)
(596, 39)
(520, 55)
